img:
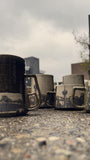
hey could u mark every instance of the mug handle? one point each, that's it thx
(46, 102)
(87, 97)
(73, 95)
(38, 100)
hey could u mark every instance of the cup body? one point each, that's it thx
(74, 79)
(64, 92)
(12, 86)
(46, 86)
(64, 95)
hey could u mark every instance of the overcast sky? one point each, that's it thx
(43, 28)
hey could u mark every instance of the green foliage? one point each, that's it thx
(82, 40)
(86, 65)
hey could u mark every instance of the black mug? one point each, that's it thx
(13, 97)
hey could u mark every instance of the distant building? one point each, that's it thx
(31, 67)
(77, 68)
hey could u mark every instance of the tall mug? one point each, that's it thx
(13, 97)
(46, 85)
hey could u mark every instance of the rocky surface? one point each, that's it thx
(46, 134)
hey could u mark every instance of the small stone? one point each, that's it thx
(62, 157)
(3, 145)
(27, 144)
(58, 129)
(53, 138)
(42, 141)
(27, 156)
(8, 140)
(80, 140)
(19, 136)
(16, 150)
(55, 148)
(36, 125)
(70, 142)
(63, 152)
(88, 118)
(82, 119)
(2, 126)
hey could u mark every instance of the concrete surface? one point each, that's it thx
(46, 134)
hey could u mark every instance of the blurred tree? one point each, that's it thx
(83, 41)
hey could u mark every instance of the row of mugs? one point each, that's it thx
(71, 94)
(16, 98)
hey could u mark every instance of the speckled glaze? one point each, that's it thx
(64, 92)
(73, 79)
(12, 85)
(46, 85)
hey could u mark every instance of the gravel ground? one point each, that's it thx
(46, 134)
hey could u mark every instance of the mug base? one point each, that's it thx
(7, 110)
(69, 109)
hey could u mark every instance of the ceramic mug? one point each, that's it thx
(64, 92)
(46, 86)
(13, 97)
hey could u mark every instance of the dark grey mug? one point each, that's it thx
(13, 97)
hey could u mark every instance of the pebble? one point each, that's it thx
(37, 125)
(27, 144)
(71, 142)
(16, 150)
(63, 152)
(82, 119)
(62, 157)
(20, 136)
(53, 138)
(80, 140)
(27, 156)
(42, 141)
(2, 126)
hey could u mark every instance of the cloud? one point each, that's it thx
(66, 14)
(44, 40)
(43, 29)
